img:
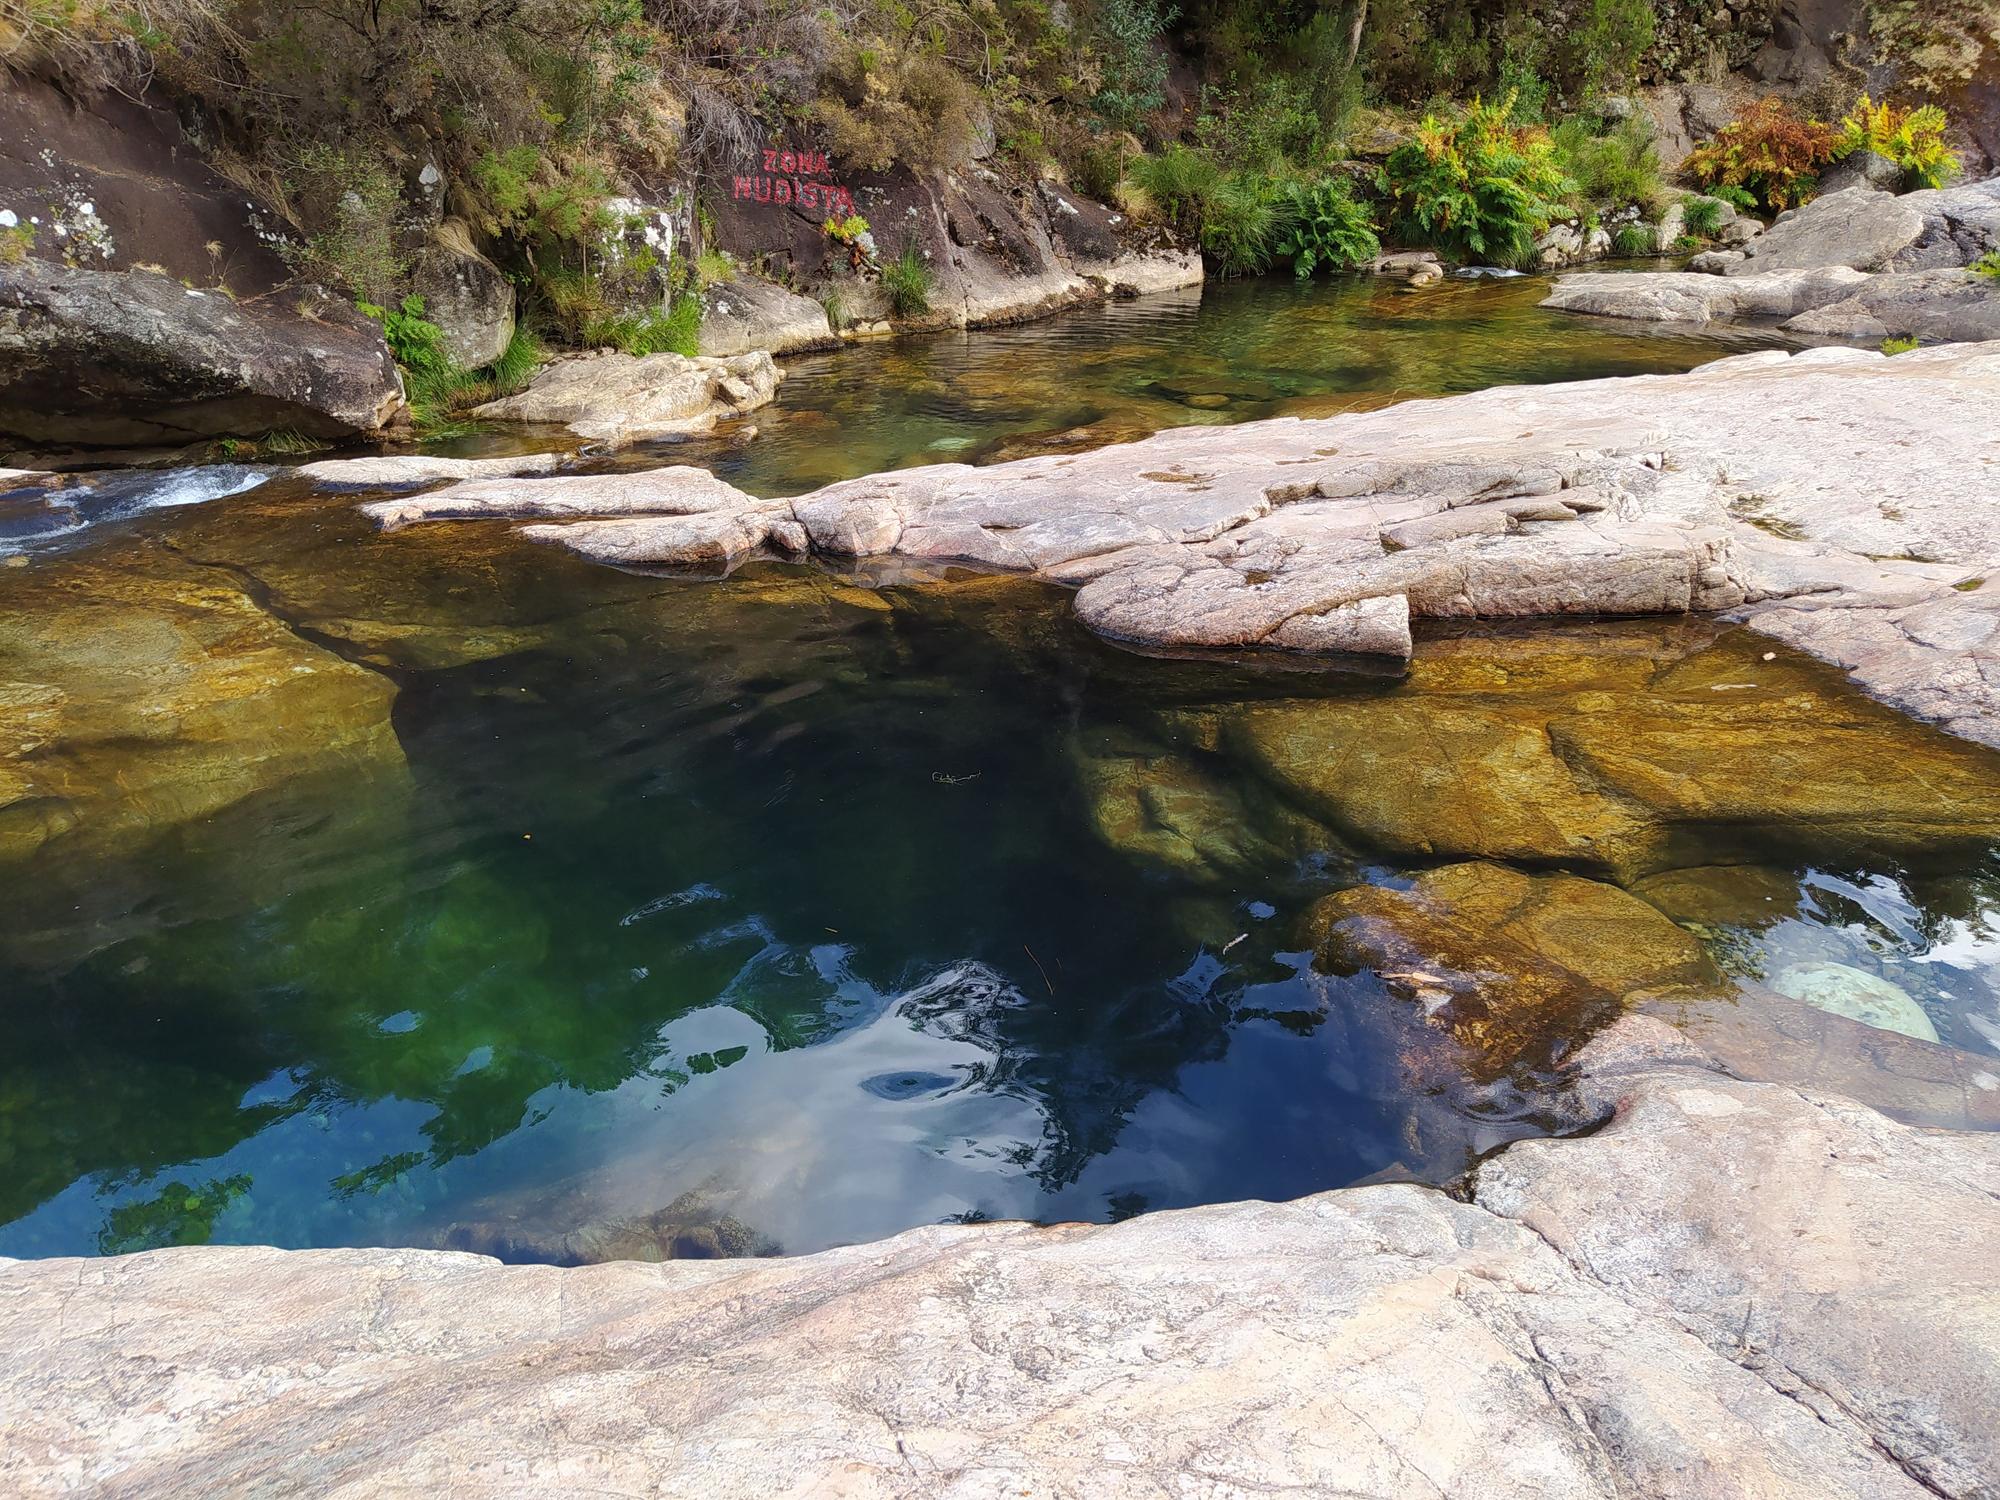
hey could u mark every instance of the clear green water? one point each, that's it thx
(1231, 352)
(672, 918)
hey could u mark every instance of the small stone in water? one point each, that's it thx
(1844, 990)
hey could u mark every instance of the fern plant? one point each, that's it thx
(1326, 227)
(1475, 185)
(1911, 138)
(1769, 153)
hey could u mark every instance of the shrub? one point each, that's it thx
(1097, 171)
(1241, 224)
(1988, 265)
(1475, 185)
(836, 308)
(1132, 59)
(1181, 182)
(1260, 128)
(1614, 168)
(1769, 152)
(1604, 43)
(1911, 138)
(1901, 345)
(674, 329)
(888, 103)
(1326, 227)
(1702, 217)
(517, 363)
(908, 281)
(1633, 241)
(346, 203)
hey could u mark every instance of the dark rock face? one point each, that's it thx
(118, 359)
(127, 187)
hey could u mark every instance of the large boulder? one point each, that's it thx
(747, 313)
(1869, 230)
(623, 398)
(99, 358)
(1944, 306)
(465, 294)
(116, 179)
(1697, 297)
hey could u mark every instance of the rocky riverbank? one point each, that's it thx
(1824, 497)
(1859, 263)
(1728, 1289)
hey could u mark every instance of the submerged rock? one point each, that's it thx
(1842, 990)
(1505, 963)
(622, 398)
(151, 651)
(1614, 751)
(111, 359)
(1730, 1288)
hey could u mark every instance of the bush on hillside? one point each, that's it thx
(1241, 222)
(1610, 168)
(1180, 182)
(1474, 185)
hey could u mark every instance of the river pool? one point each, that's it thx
(441, 889)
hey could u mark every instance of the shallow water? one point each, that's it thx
(1231, 352)
(471, 895)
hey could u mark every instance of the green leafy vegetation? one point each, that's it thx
(1610, 167)
(1633, 241)
(1900, 345)
(15, 243)
(1326, 228)
(673, 329)
(1241, 221)
(1475, 185)
(1988, 265)
(1914, 139)
(433, 382)
(909, 282)
(517, 363)
(1180, 183)
(1703, 217)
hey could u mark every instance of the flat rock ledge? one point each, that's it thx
(1846, 502)
(1731, 1289)
(616, 399)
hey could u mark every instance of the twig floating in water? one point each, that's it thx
(943, 780)
(1038, 966)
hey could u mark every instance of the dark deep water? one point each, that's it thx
(628, 916)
